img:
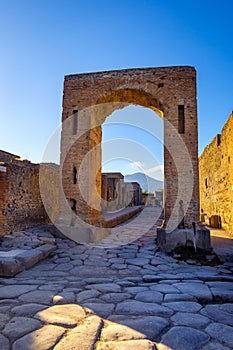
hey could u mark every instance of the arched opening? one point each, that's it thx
(169, 91)
(132, 159)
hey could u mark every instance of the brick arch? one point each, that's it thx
(89, 98)
(123, 97)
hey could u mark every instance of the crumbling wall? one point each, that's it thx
(20, 200)
(216, 179)
(7, 156)
(4, 186)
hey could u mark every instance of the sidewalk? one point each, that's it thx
(119, 295)
(222, 243)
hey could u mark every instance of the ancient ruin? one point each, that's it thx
(117, 194)
(216, 180)
(20, 200)
(87, 101)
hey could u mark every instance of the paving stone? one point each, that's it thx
(134, 279)
(27, 309)
(184, 338)
(150, 326)
(76, 262)
(64, 298)
(8, 302)
(101, 309)
(62, 260)
(179, 297)
(137, 261)
(82, 337)
(19, 326)
(3, 320)
(145, 255)
(221, 332)
(13, 291)
(119, 332)
(184, 306)
(135, 290)
(40, 296)
(156, 261)
(115, 297)
(87, 294)
(220, 285)
(119, 266)
(10, 266)
(62, 315)
(212, 345)
(220, 294)
(96, 280)
(148, 248)
(190, 320)
(227, 307)
(215, 313)
(161, 281)
(4, 343)
(53, 287)
(127, 255)
(41, 339)
(4, 308)
(98, 263)
(125, 283)
(150, 268)
(199, 290)
(71, 289)
(140, 308)
(47, 274)
(64, 267)
(105, 287)
(152, 278)
(149, 297)
(117, 261)
(127, 345)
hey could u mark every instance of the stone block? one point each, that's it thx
(9, 267)
(169, 241)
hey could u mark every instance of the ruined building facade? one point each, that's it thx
(20, 200)
(216, 179)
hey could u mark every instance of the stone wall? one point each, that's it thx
(216, 179)
(20, 201)
(7, 156)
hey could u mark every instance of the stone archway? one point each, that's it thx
(90, 98)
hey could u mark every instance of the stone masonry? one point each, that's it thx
(20, 200)
(216, 179)
(90, 98)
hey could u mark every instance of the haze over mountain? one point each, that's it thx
(146, 182)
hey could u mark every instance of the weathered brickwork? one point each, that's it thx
(216, 178)
(7, 156)
(20, 200)
(117, 194)
(90, 98)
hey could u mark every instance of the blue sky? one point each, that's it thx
(41, 41)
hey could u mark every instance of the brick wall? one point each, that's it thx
(20, 200)
(216, 177)
(7, 156)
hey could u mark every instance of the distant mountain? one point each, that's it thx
(146, 182)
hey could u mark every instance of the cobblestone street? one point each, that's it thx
(119, 294)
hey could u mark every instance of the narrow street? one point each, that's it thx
(119, 294)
